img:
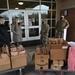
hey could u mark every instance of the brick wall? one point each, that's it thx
(71, 18)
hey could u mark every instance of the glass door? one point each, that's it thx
(33, 24)
(22, 20)
(30, 23)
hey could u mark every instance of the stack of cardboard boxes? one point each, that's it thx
(4, 58)
(18, 56)
(13, 58)
(41, 58)
(57, 53)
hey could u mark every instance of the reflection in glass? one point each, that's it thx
(44, 14)
(3, 3)
(5, 14)
(33, 19)
(23, 33)
(53, 5)
(49, 14)
(53, 14)
(53, 23)
(33, 32)
(7, 25)
(49, 22)
(50, 32)
(20, 15)
(46, 3)
(53, 32)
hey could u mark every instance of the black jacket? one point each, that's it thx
(4, 38)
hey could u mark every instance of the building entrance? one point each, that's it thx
(30, 23)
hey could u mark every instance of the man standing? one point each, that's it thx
(44, 33)
(4, 38)
(60, 26)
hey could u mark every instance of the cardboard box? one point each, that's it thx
(19, 60)
(38, 67)
(58, 54)
(55, 67)
(5, 49)
(55, 46)
(41, 62)
(65, 43)
(4, 62)
(56, 40)
(58, 62)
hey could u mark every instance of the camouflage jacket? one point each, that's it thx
(44, 30)
(62, 24)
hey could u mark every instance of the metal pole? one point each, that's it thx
(20, 71)
(60, 73)
(40, 4)
(7, 4)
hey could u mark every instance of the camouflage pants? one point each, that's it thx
(44, 41)
(59, 34)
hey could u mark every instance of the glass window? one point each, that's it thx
(33, 32)
(53, 32)
(44, 10)
(33, 19)
(53, 14)
(20, 15)
(26, 4)
(53, 5)
(4, 13)
(47, 3)
(3, 3)
(50, 31)
(49, 14)
(44, 14)
(49, 22)
(23, 33)
(48, 11)
(53, 23)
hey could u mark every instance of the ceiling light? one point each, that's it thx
(16, 8)
(20, 3)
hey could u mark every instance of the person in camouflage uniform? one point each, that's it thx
(44, 33)
(60, 26)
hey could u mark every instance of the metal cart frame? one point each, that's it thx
(60, 71)
(11, 70)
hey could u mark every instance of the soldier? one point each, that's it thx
(60, 26)
(44, 33)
